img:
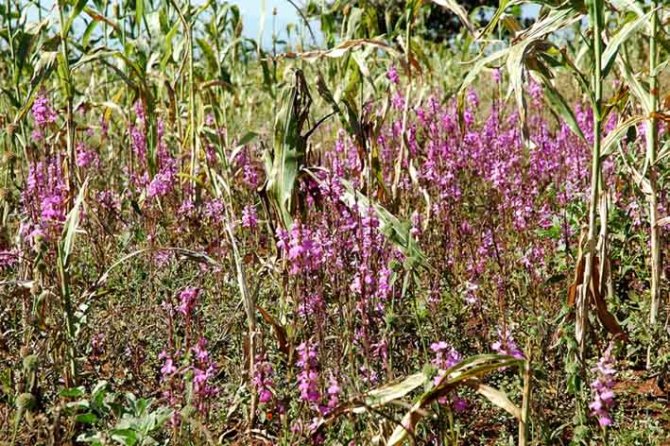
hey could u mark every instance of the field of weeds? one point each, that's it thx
(421, 222)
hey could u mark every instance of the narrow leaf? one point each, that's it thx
(72, 223)
(500, 399)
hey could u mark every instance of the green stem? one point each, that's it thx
(582, 307)
(652, 143)
(191, 101)
(191, 89)
(69, 97)
(64, 279)
(525, 404)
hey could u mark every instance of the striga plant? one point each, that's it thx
(355, 231)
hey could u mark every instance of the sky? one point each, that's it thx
(257, 12)
(257, 17)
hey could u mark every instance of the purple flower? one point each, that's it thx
(53, 208)
(603, 388)
(301, 248)
(8, 258)
(308, 377)
(162, 183)
(168, 366)
(334, 390)
(446, 357)
(86, 157)
(249, 217)
(392, 75)
(506, 345)
(42, 112)
(496, 75)
(187, 300)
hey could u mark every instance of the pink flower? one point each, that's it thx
(249, 217)
(603, 388)
(187, 300)
(42, 112)
(392, 75)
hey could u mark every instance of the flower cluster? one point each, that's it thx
(249, 217)
(44, 199)
(191, 363)
(263, 379)
(204, 371)
(446, 357)
(603, 388)
(301, 248)
(506, 345)
(187, 300)
(43, 115)
(308, 377)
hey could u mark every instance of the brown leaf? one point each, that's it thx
(661, 116)
(277, 328)
(606, 318)
(579, 278)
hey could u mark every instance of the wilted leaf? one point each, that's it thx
(466, 372)
(458, 10)
(606, 318)
(499, 398)
(279, 330)
(340, 50)
(615, 136)
(389, 392)
(72, 223)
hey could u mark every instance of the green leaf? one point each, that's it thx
(127, 437)
(209, 55)
(287, 156)
(621, 36)
(139, 12)
(247, 138)
(78, 8)
(596, 11)
(86, 38)
(74, 392)
(560, 106)
(98, 393)
(86, 418)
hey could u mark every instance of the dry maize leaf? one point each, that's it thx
(606, 318)
(277, 328)
(579, 278)
(499, 398)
